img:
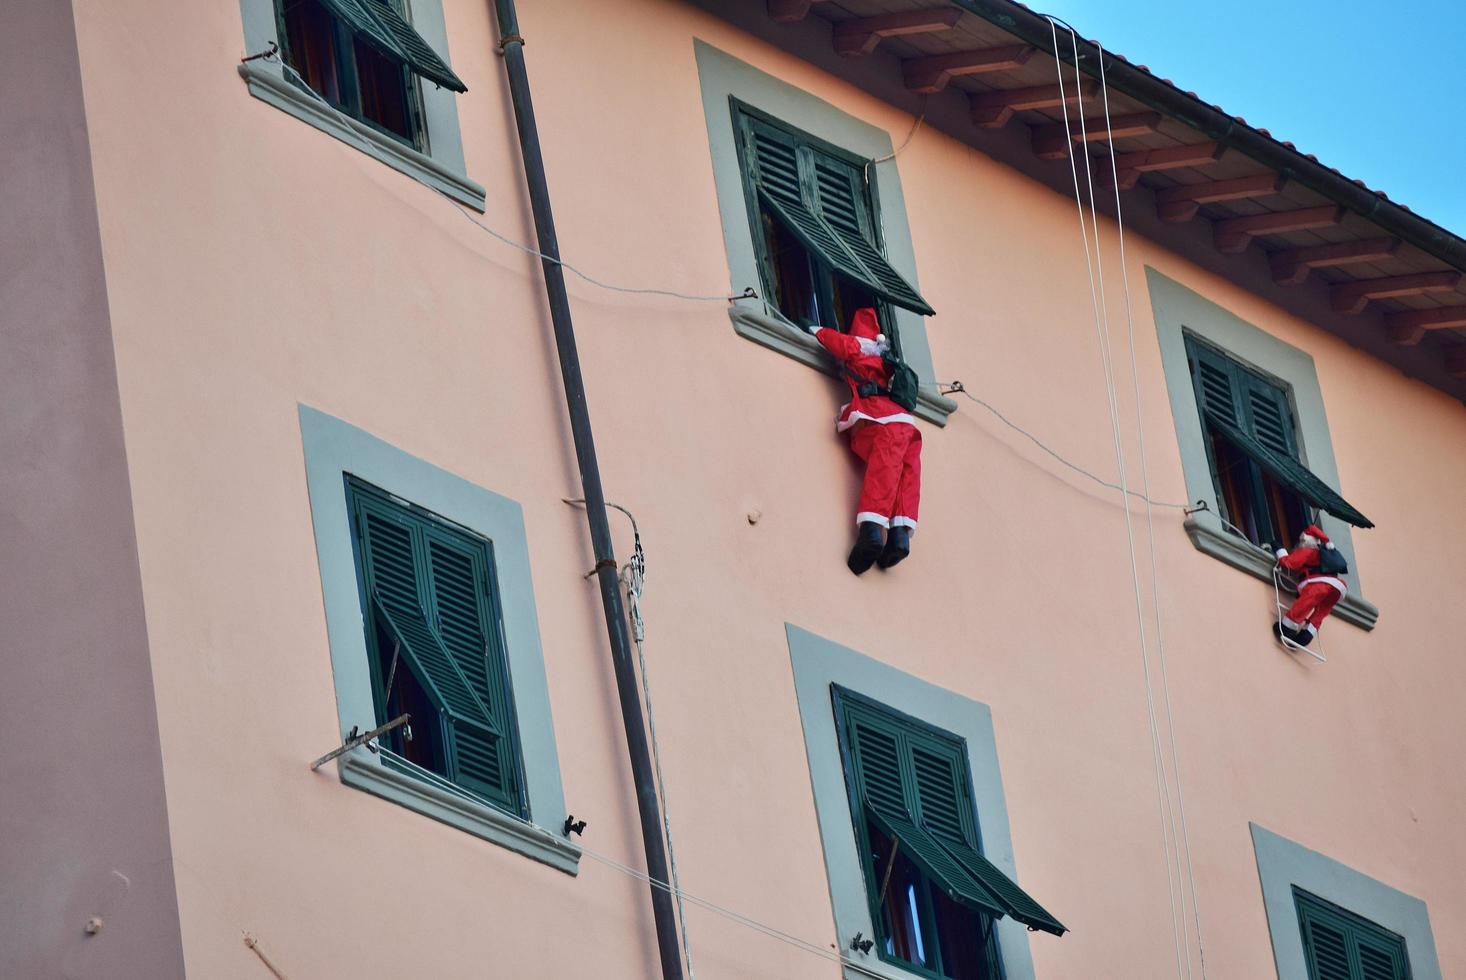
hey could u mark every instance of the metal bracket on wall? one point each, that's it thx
(353, 740)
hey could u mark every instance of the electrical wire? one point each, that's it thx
(910, 135)
(1099, 309)
(349, 126)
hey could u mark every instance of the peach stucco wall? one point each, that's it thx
(254, 264)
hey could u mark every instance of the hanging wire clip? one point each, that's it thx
(353, 740)
(861, 944)
(1201, 505)
(268, 53)
(954, 388)
(748, 293)
(573, 826)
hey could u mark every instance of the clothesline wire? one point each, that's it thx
(348, 125)
(958, 388)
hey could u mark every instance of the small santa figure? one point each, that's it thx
(1321, 569)
(884, 436)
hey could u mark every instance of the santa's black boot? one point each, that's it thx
(867, 546)
(898, 546)
(1302, 637)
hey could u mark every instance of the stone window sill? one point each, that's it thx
(776, 333)
(1210, 539)
(360, 770)
(268, 83)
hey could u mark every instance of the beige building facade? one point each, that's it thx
(239, 322)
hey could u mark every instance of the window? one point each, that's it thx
(933, 896)
(1251, 426)
(815, 228)
(371, 73)
(1328, 921)
(1340, 945)
(796, 257)
(429, 605)
(434, 649)
(1263, 489)
(361, 55)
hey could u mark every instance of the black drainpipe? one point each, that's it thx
(647, 807)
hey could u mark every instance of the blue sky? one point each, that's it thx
(1377, 90)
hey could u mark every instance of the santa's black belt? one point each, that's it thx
(867, 389)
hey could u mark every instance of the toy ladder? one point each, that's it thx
(1312, 649)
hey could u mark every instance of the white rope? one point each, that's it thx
(349, 125)
(1150, 533)
(1101, 325)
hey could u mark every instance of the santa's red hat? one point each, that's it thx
(1317, 532)
(865, 324)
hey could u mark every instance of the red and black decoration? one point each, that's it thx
(1321, 570)
(884, 435)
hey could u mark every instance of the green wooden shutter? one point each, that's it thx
(1291, 473)
(378, 23)
(1214, 379)
(430, 587)
(1254, 415)
(912, 782)
(840, 198)
(946, 810)
(821, 201)
(484, 758)
(1339, 945)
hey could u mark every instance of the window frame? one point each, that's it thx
(334, 449)
(436, 161)
(1179, 310)
(469, 538)
(819, 663)
(1256, 479)
(1284, 865)
(345, 57)
(722, 78)
(840, 696)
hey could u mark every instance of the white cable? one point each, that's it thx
(1101, 335)
(349, 125)
(1150, 531)
(915, 125)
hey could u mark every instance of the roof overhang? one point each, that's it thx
(1250, 208)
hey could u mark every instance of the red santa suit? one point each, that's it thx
(882, 433)
(1318, 593)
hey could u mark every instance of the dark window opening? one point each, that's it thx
(806, 290)
(920, 926)
(1258, 505)
(354, 76)
(1236, 403)
(420, 741)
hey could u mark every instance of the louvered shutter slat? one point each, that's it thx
(430, 588)
(1014, 900)
(938, 865)
(940, 793)
(878, 766)
(1291, 473)
(396, 588)
(483, 758)
(416, 52)
(840, 198)
(1270, 418)
(379, 24)
(1340, 945)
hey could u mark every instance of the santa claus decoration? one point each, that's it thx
(1320, 569)
(883, 435)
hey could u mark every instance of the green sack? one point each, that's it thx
(904, 383)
